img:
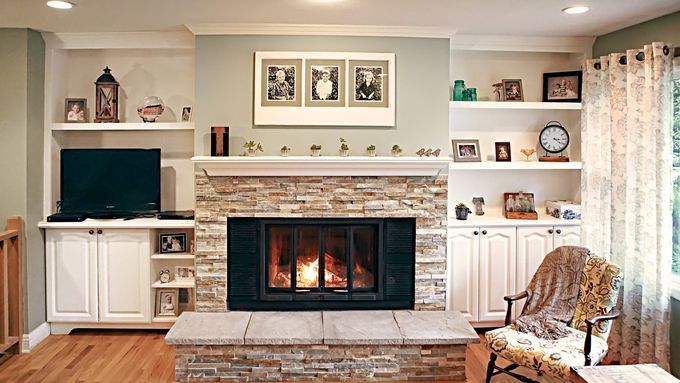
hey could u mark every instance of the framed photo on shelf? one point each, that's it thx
(173, 243)
(184, 273)
(512, 90)
(186, 300)
(186, 114)
(167, 302)
(562, 86)
(75, 110)
(503, 152)
(466, 151)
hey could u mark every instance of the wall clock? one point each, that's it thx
(554, 139)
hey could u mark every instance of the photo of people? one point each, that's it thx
(513, 90)
(166, 302)
(173, 243)
(186, 114)
(368, 83)
(324, 83)
(562, 86)
(76, 110)
(184, 273)
(281, 82)
(503, 152)
(466, 151)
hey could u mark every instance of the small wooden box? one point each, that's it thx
(521, 215)
(527, 203)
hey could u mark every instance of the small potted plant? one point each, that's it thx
(285, 150)
(370, 150)
(462, 212)
(252, 147)
(344, 148)
(316, 150)
(396, 151)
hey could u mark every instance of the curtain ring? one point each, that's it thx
(598, 66)
(666, 50)
(640, 56)
(623, 60)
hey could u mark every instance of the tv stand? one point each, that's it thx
(112, 215)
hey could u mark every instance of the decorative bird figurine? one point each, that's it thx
(528, 152)
(436, 152)
(428, 152)
(420, 152)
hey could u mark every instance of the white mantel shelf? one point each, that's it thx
(321, 166)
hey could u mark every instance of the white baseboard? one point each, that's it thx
(29, 341)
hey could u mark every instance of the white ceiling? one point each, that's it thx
(497, 17)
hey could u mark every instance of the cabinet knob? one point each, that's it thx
(550, 231)
(558, 231)
(99, 231)
(91, 232)
(475, 232)
(483, 232)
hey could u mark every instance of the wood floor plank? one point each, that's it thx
(142, 356)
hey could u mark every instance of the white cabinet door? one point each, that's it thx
(71, 267)
(464, 272)
(567, 236)
(533, 243)
(124, 276)
(497, 263)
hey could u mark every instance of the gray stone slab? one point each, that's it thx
(193, 328)
(285, 328)
(435, 327)
(360, 327)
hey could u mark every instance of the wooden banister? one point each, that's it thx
(11, 294)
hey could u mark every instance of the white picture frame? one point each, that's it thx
(266, 114)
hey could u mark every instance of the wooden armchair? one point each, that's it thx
(589, 328)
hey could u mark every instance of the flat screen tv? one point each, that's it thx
(126, 181)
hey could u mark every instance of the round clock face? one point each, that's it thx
(554, 138)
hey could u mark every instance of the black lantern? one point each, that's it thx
(106, 98)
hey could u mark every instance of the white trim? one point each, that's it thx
(531, 105)
(119, 40)
(137, 223)
(583, 45)
(32, 339)
(319, 30)
(321, 166)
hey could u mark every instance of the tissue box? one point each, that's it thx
(566, 210)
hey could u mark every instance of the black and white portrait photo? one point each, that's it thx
(368, 83)
(281, 82)
(325, 81)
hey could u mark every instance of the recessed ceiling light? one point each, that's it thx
(576, 10)
(59, 4)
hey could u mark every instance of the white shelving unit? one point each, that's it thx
(174, 285)
(122, 126)
(454, 105)
(173, 256)
(495, 218)
(515, 165)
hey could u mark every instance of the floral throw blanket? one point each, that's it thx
(553, 293)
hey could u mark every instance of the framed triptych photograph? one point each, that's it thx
(324, 89)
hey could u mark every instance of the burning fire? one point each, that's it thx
(308, 274)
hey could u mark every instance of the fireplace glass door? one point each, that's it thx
(326, 258)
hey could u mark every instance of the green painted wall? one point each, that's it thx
(224, 94)
(22, 59)
(665, 28)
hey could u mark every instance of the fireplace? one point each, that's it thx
(320, 264)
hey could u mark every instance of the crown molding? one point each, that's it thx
(319, 30)
(119, 40)
(582, 45)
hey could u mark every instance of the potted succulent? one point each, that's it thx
(462, 212)
(252, 147)
(370, 150)
(285, 150)
(396, 151)
(344, 148)
(316, 150)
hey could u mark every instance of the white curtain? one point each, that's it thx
(627, 191)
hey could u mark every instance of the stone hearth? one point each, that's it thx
(221, 197)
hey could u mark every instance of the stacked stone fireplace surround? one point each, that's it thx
(218, 198)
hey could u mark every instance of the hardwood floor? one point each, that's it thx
(139, 356)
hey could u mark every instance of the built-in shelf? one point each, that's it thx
(515, 105)
(515, 165)
(123, 126)
(174, 285)
(495, 218)
(173, 256)
(321, 166)
(164, 320)
(137, 223)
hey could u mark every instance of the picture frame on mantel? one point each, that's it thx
(360, 90)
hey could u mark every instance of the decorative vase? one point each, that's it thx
(371, 153)
(251, 152)
(150, 108)
(458, 87)
(396, 153)
(316, 152)
(343, 152)
(462, 213)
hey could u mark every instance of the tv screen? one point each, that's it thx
(111, 180)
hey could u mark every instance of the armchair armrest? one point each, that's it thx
(510, 299)
(592, 322)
